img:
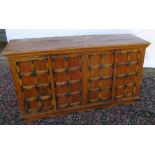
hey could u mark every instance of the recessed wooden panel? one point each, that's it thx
(134, 56)
(30, 93)
(95, 72)
(106, 94)
(108, 58)
(107, 83)
(107, 71)
(122, 57)
(40, 65)
(129, 89)
(25, 66)
(94, 84)
(120, 81)
(76, 99)
(62, 101)
(119, 92)
(44, 90)
(61, 89)
(131, 68)
(131, 79)
(93, 96)
(75, 87)
(75, 75)
(46, 105)
(121, 69)
(94, 59)
(27, 80)
(59, 63)
(43, 79)
(74, 61)
(61, 77)
(33, 106)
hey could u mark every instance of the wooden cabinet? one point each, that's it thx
(55, 76)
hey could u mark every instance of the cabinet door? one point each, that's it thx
(33, 78)
(128, 73)
(67, 71)
(114, 75)
(100, 76)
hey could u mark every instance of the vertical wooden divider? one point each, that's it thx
(126, 74)
(36, 82)
(85, 78)
(114, 75)
(51, 67)
(69, 98)
(101, 75)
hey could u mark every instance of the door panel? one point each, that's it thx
(34, 80)
(67, 78)
(128, 73)
(100, 76)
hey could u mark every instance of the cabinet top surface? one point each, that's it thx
(20, 46)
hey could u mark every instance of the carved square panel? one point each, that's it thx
(108, 58)
(61, 77)
(133, 56)
(121, 69)
(122, 57)
(131, 68)
(107, 83)
(95, 72)
(40, 65)
(106, 94)
(75, 87)
(76, 99)
(95, 60)
(120, 81)
(28, 80)
(43, 79)
(131, 79)
(25, 66)
(94, 84)
(75, 75)
(74, 61)
(59, 62)
(119, 91)
(107, 71)
(93, 95)
(61, 89)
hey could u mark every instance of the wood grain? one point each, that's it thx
(72, 42)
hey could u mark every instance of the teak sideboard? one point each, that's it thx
(59, 75)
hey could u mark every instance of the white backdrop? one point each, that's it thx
(149, 35)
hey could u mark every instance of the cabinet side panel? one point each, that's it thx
(142, 56)
(50, 66)
(85, 78)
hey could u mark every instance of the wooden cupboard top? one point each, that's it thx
(20, 46)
